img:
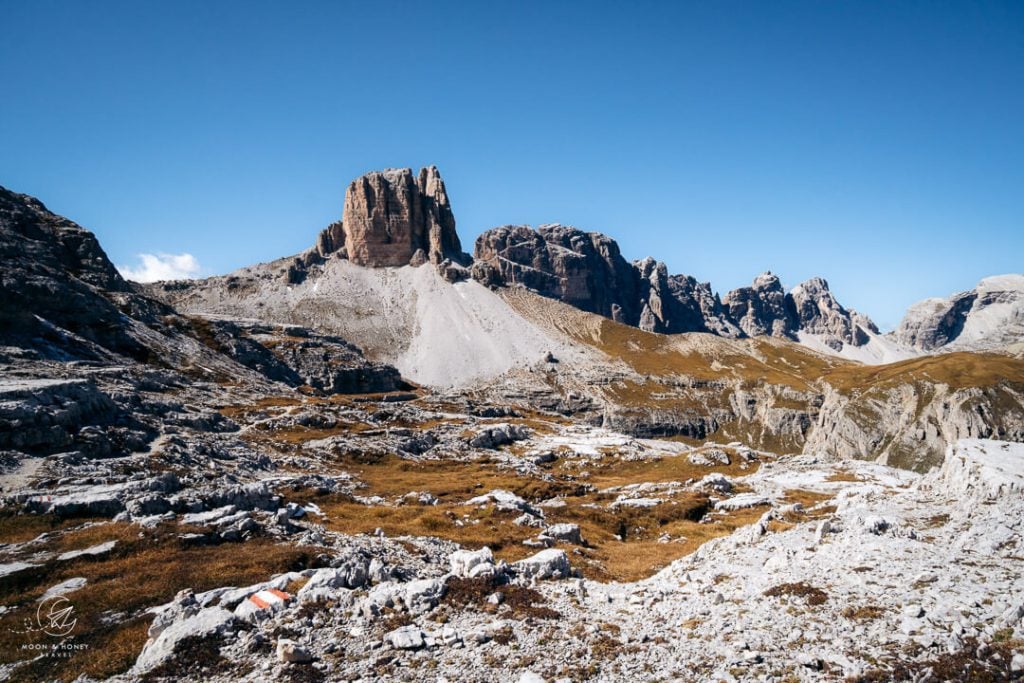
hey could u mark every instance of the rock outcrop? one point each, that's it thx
(700, 309)
(987, 317)
(763, 308)
(62, 299)
(583, 269)
(818, 312)
(678, 303)
(55, 279)
(909, 424)
(395, 218)
(587, 270)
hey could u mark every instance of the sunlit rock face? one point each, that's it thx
(394, 218)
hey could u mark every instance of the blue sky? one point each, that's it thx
(880, 145)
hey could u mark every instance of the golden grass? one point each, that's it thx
(139, 573)
(285, 401)
(806, 498)
(809, 594)
(449, 480)
(641, 554)
(959, 370)
(659, 355)
(843, 475)
(484, 527)
(454, 482)
(18, 527)
(864, 612)
(614, 472)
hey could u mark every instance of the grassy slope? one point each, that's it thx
(671, 364)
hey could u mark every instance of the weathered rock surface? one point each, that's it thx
(552, 563)
(987, 317)
(762, 308)
(818, 312)
(57, 286)
(206, 623)
(582, 269)
(47, 414)
(394, 218)
(586, 270)
(910, 425)
(296, 356)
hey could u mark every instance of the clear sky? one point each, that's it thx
(880, 145)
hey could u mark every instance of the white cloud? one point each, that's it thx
(153, 267)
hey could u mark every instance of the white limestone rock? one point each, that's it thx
(552, 563)
(469, 563)
(205, 623)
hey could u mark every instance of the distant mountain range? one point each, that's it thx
(397, 217)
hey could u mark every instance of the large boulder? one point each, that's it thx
(206, 623)
(422, 594)
(471, 563)
(405, 638)
(547, 564)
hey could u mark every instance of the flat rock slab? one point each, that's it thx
(64, 587)
(94, 551)
(15, 567)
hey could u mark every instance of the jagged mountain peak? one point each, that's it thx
(768, 281)
(394, 217)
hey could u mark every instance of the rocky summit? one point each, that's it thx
(382, 459)
(394, 218)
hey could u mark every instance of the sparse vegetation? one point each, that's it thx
(520, 602)
(864, 612)
(807, 593)
(986, 665)
(139, 573)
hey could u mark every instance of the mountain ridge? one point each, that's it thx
(396, 217)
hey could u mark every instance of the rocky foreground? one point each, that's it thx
(565, 553)
(895, 576)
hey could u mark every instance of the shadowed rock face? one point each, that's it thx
(678, 303)
(936, 322)
(586, 270)
(700, 309)
(394, 218)
(765, 309)
(53, 268)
